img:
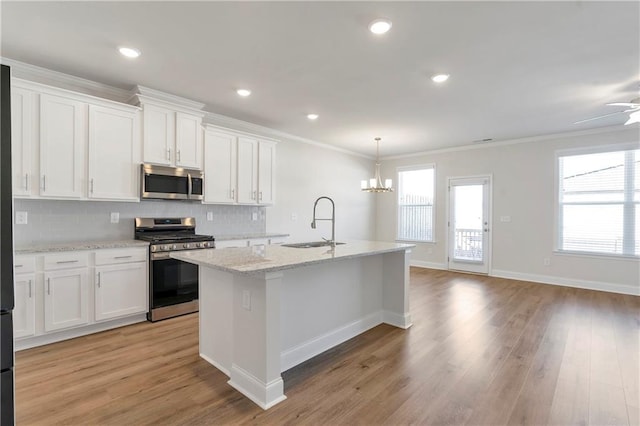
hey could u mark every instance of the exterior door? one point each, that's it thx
(469, 224)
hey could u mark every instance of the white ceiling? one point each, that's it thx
(518, 69)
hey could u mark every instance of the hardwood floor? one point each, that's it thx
(481, 351)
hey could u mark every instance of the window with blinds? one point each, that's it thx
(416, 187)
(599, 195)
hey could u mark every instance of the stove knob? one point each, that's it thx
(153, 248)
(185, 245)
(200, 245)
(165, 248)
(174, 247)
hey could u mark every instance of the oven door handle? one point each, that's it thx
(189, 185)
(160, 256)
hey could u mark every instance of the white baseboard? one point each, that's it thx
(567, 282)
(307, 350)
(397, 320)
(265, 395)
(428, 265)
(216, 364)
(45, 339)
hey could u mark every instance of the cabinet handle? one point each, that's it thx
(29, 289)
(178, 155)
(48, 285)
(169, 154)
(98, 280)
(19, 266)
(122, 257)
(91, 182)
(253, 195)
(44, 183)
(260, 196)
(26, 181)
(233, 194)
(66, 261)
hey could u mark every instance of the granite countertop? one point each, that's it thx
(79, 245)
(271, 258)
(258, 235)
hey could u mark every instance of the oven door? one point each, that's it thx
(171, 281)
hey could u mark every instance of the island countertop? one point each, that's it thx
(271, 258)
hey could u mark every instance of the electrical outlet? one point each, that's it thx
(21, 218)
(210, 216)
(115, 217)
(254, 216)
(546, 261)
(246, 299)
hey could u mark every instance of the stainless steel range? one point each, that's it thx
(173, 284)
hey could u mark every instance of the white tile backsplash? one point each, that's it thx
(52, 221)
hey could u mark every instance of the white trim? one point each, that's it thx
(306, 350)
(598, 149)
(592, 255)
(70, 82)
(142, 92)
(540, 138)
(397, 320)
(424, 166)
(567, 282)
(215, 364)
(265, 395)
(45, 339)
(428, 265)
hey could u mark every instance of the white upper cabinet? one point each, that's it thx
(23, 127)
(159, 135)
(238, 168)
(114, 153)
(266, 172)
(172, 129)
(220, 152)
(188, 141)
(247, 170)
(63, 129)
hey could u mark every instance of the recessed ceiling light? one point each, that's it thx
(243, 92)
(312, 116)
(380, 26)
(129, 52)
(440, 78)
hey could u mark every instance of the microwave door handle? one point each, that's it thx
(189, 185)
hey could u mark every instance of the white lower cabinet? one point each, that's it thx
(62, 295)
(25, 307)
(120, 290)
(66, 301)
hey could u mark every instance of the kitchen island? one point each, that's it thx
(267, 308)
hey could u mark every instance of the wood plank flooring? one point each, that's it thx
(482, 351)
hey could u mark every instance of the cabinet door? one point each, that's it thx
(24, 311)
(65, 299)
(159, 135)
(188, 141)
(63, 125)
(22, 140)
(219, 167)
(114, 143)
(266, 173)
(247, 170)
(121, 290)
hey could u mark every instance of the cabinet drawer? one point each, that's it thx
(111, 257)
(23, 265)
(54, 262)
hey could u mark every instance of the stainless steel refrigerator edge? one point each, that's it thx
(7, 416)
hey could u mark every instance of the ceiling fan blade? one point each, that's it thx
(627, 104)
(599, 117)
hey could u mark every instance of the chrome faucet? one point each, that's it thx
(333, 219)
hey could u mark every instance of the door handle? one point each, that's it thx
(98, 280)
(122, 257)
(48, 285)
(189, 186)
(29, 289)
(66, 261)
(260, 196)
(233, 194)
(169, 154)
(44, 183)
(26, 181)
(91, 182)
(178, 155)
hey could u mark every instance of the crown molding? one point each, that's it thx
(540, 138)
(46, 76)
(142, 94)
(235, 124)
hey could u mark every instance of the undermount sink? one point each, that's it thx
(311, 244)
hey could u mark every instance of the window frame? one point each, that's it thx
(415, 167)
(557, 237)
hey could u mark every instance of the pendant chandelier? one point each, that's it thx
(375, 184)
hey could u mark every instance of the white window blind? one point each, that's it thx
(599, 196)
(416, 204)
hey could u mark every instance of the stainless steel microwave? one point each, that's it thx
(171, 183)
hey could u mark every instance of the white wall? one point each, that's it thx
(523, 188)
(305, 172)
